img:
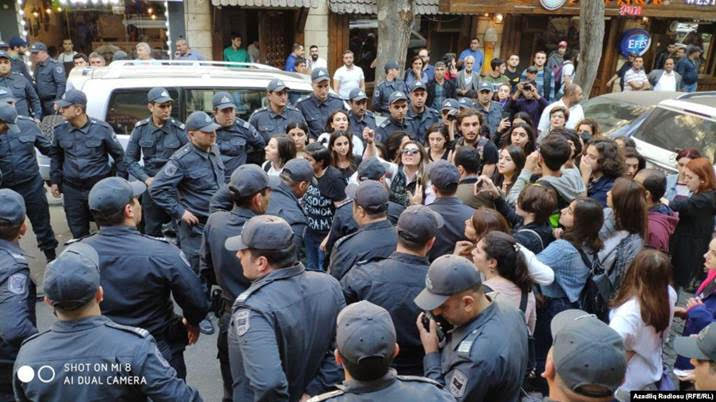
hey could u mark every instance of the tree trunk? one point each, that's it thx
(395, 18)
(591, 37)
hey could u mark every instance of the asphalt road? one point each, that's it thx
(201, 362)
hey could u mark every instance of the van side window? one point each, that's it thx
(127, 106)
(246, 100)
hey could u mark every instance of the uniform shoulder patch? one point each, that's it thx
(17, 283)
(68, 242)
(386, 123)
(418, 378)
(170, 168)
(241, 321)
(59, 69)
(141, 122)
(178, 124)
(161, 239)
(457, 383)
(303, 99)
(344, 202)
(25, 118)
(33, 336)
(326, 396)
(134, 330)
(292, 108)
(245, 124)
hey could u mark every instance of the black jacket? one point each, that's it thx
(449, 90)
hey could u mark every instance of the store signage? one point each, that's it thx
(552, 5)
(634, 41)
(700, 2)
(630, 10)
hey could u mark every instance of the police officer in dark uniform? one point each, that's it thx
(236, 137)
(282, 327)
(274, 118)
(27, 102)
(16, 49)
(250, 193)
(17, 290)
(398, 119)
(376, 237)
(382, 92)
(366, 346)
(445, 177)
(394, 282)
(154, 140)
(50, 79)
(359, 116)
(423, 115)
(343, 223)
(484, 358)
(184, 186)
(287, 190)
(142, 274)
(82, 149)
(18, 138)
(119, 362)
(318, 106)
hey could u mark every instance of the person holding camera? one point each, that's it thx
(527, 99)
(454, 296)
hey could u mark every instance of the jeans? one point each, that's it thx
(314, 256)
(543, 333)
(689, 87)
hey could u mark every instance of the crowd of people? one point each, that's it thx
(484, 243)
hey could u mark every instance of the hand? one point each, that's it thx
(464, 248)
(429, 339)
(557, 233)
(488, 186)
(693, 302)
(304, 398)
(149, 181)
(586, 168)
(535, 93)
(451, 156)
(519, 86)
(504, 125)
(417, 197)
(680, 312)
(368, 135)
(532, 162)
(323, 244)
(192, 332)
(55, 190)
(189, 218)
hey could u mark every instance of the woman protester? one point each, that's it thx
(279, 150)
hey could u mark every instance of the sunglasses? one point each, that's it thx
(410, 151)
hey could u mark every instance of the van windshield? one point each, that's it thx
(127, 106)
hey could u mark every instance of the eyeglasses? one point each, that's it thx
(410, 151)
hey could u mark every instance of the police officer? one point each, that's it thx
(398, 119)
(319, 105)
(445, 178)
(491, 110)
(376, 237)
(484, 358)
(236, 137)
(274, 118)
(423, 116)
(184, 186)
(16, 49)
(139, 273)
(154, 139)
(394, 282)
(359, 116)
(18, 138)
(366, 346)
(121, 362)
(82, 149)
(343, 223)
(26, 99)
(281, 333)
(382, 92)
(287, 190)
(49, 76)
(17, 290)
(250, 193)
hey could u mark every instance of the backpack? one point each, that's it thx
(604, 280)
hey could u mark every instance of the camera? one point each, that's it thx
(527, 87)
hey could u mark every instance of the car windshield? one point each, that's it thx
(673, 131)
(611, 114)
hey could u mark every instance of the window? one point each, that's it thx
(672, 131)
(128, 106)
(246, 100)
(611, 113)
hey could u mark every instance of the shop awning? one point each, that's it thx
(267, 3)
(422, 7)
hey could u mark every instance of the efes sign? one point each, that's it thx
(552, 5)
(634, 41)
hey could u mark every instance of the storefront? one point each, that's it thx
(531, 25)
(276, 24)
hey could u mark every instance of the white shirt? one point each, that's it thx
(358, 147)
(667, 82)
(646, 365)
(576, 114)
(348, 79)
(320, 62)
(271, 171)
(635, 77)
(66, 57)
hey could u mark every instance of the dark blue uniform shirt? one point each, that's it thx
(18, 161)
(316, 113)
(155, 145)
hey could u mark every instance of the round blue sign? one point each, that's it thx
(634, 41)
